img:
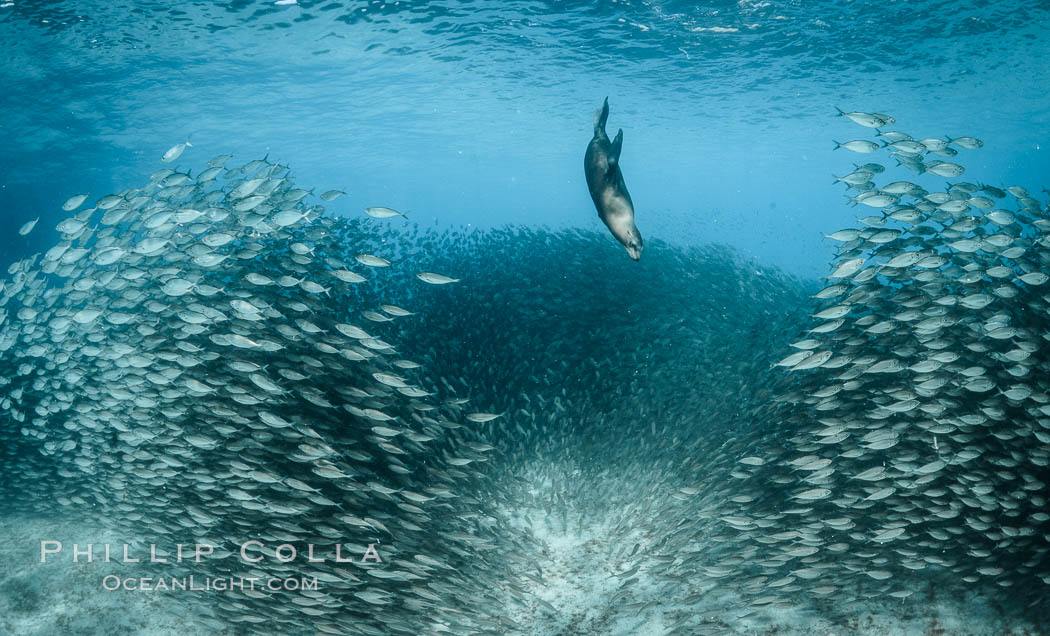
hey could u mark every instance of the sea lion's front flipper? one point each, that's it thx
(600, 117)
(614, 150)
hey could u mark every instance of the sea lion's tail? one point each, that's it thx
(600, 117)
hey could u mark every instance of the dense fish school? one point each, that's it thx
(190, 363)
(210, 358)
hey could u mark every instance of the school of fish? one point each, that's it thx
(212, 358)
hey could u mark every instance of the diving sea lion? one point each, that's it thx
(601, 164)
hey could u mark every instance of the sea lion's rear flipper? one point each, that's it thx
(614, 150)
(600, 116)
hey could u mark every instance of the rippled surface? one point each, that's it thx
(717, 40)
(477, 112)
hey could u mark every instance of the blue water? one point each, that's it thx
(477, 113)
(617, 385)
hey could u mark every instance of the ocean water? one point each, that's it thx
(553, 439)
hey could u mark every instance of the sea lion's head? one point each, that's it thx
(632, 241)
(618, 215)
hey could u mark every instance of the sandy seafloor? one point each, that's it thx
(62, 597)
(583, 583)
(581, 576)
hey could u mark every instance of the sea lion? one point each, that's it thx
(601, 165)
